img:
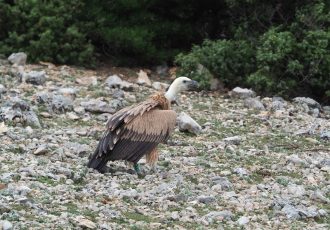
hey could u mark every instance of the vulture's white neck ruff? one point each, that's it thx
(173, 91)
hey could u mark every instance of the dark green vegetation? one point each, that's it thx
(275, 47)
(281, 48)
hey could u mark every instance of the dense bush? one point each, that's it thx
(46, 30)
(130, 32)
(230, 60)
(287, 59)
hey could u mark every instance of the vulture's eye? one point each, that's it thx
(184, 81)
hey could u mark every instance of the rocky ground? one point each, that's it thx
(255, 164)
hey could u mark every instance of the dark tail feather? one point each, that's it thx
(95, 161)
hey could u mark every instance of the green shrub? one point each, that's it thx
(225, 59)
(289, 59)
(47, 31)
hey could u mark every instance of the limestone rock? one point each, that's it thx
(243, 220)
(291, 212)
(18, 58)
(206, 199)
(160, 86)
(218, 216)
(239, 92)
(5, 225)
(31, 119)
(3, 128)
(115, 81)
(308, 101)
(235, 140)
(97, 106)
(81, 221)
(187, 124)
(223, 182)
(41, 150)
(143, 78)
(35, 77)
(216, 84)
(278, 103)
(60, 104)
(253, 103)
(87, 81)
(2, 89)
(68, 92)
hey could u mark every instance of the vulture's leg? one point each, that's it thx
(138, 170)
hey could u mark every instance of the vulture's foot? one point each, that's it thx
(138, 170)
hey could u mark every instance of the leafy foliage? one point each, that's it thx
(46, 30)
(288, 59)
(227, 59)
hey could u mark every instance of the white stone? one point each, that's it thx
(235, 140)
(243, 220)
(2, 89)
(68, 92)
(41, 150)
(242, 93)
(241, 171)
(72, 116)
(160, 86)
(115, 81)
(18, 58)
(3, 128)
(35, 77)
(186, 123)
(143, 78)
(291, 212)
(29, 130)
(308, 101)
(253, 103)
(87, 81)
(296, 190)
(218, 216)
(5, 225)
(175, 215)
(85, 223)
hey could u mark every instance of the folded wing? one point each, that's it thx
(132, 133)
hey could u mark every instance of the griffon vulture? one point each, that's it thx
(136, 131)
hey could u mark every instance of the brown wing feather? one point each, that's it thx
(143, 134)
(117, 122)
(133, 132)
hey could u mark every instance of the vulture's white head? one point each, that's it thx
(178, 85)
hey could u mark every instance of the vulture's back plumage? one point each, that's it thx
(135, 131)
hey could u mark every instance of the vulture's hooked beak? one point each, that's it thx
(193, 85)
